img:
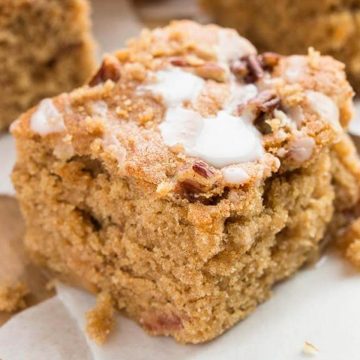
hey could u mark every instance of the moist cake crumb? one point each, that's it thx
(12, 297)
(189, 177)
(309, 349)
(100, 320)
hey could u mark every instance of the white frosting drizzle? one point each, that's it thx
(47, 119)
(176, 86)
(231, 46)
(325, 108)
(220, 140)
(302, 149)
(225, 140)
(240, 94)
(181, 126)
(235, 175)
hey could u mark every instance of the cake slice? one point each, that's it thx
(188, 177)
(45, 48)
(333, 27)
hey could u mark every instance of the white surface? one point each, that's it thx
(7, 161)
(319, 305)
(114, 23)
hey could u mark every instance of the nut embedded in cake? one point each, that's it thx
(189, 177)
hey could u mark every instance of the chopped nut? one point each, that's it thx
(262, 107)
(239, 68)
(202, 169)
(194, 60)
(211, 71)
(262, 125)
(310, 349)
(269, 60)
(161, 323)
(110, 69)
(267, 101)
(254, 67)
(264, 103)
(179, 61)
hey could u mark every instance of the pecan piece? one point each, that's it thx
(179, 61)
(255, 70)
(110, 69)
(202, 169)
(161, 323)
(267, 101)
(262, 107)
(211, 71)
(269, 60)
(239, 68)
(264, 103)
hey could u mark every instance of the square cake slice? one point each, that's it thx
(188, 177)
(45, 48)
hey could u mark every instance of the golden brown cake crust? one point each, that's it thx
(135, 116)
(46, 48)
(179, 247)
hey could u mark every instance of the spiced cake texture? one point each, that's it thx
(188, 177)
(45, 48)
(331, 26)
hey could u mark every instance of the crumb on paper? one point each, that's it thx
(12, 297)
(100, 320)
(349, 243)
(310, 349)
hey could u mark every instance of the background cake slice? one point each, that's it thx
(289, 27)
(45, 48)
(188, 177)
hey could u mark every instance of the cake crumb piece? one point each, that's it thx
(309, 349)
(100, 320)
(12, 297)
(349, 243)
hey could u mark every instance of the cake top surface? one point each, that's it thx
(194, 110)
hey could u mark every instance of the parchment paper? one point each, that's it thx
(319, 305)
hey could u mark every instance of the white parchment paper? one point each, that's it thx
(319, 305)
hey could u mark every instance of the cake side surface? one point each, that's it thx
(189, 176)
(46, 49)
